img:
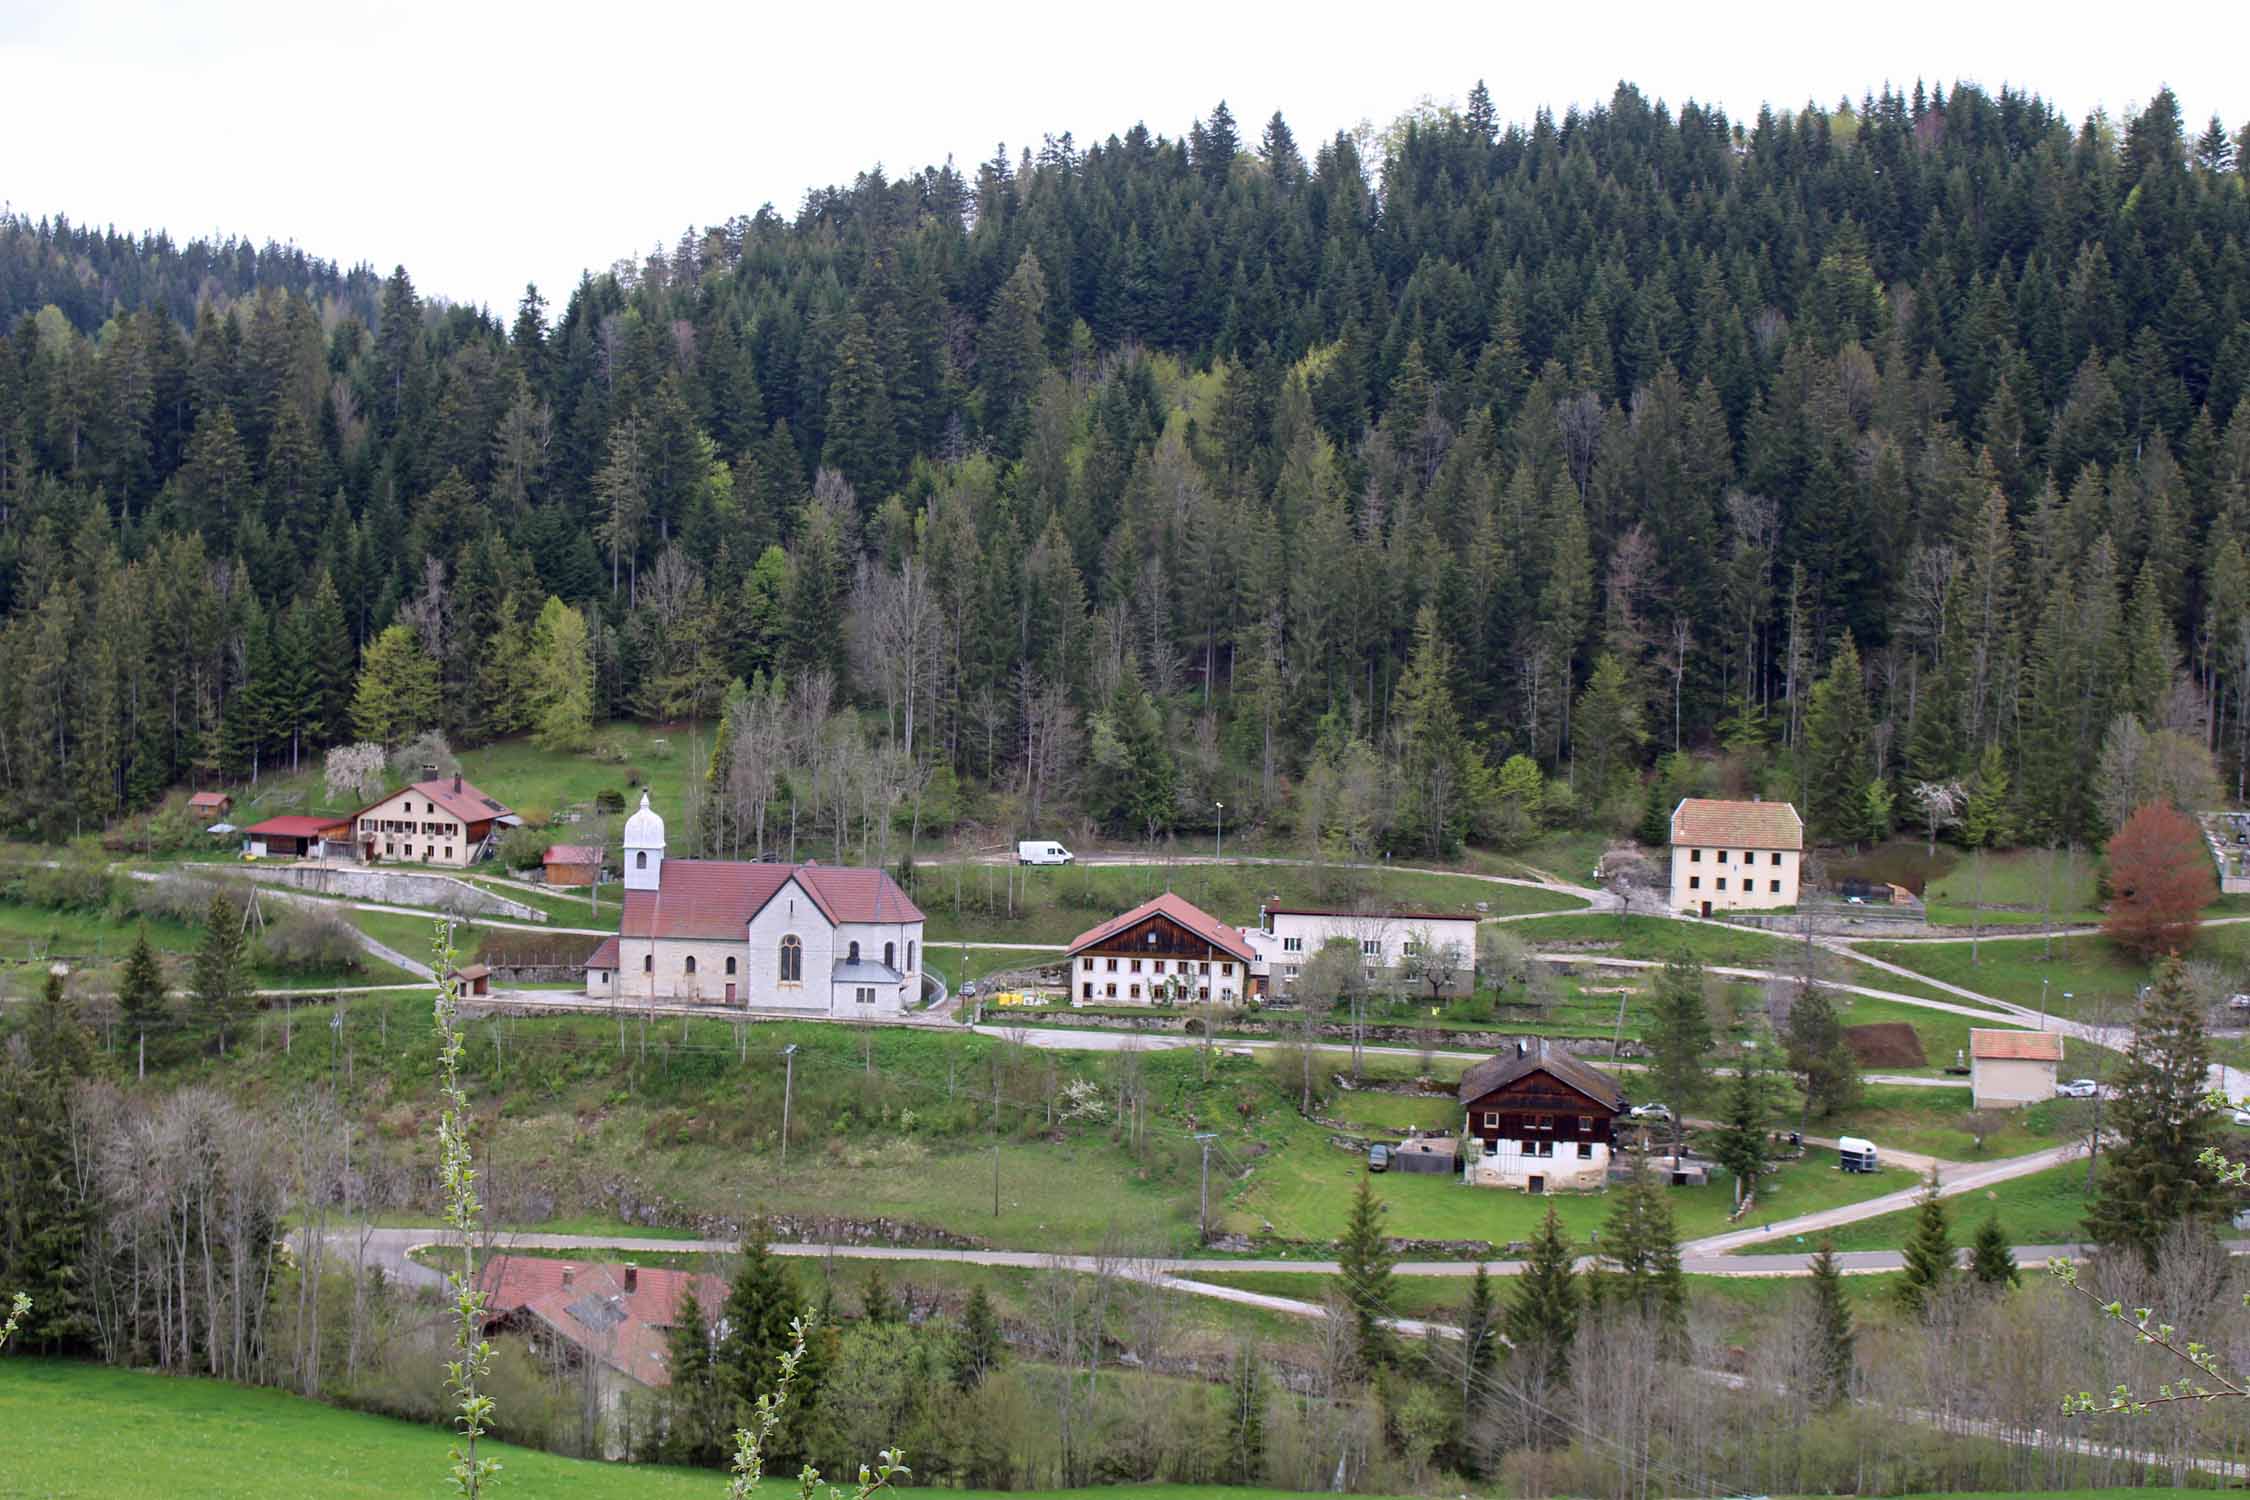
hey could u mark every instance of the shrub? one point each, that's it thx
(536, 815)
(612, 749)
(309, 940)
(412, 760)
(609, 800)
(522, 848)
(65, 885)
(173, 898)
(635, 776)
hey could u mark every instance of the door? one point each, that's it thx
(1707, 908)
(730, 992)
(1536, 1185)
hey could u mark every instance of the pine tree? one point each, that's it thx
(1542, 1319)
(1481, 1318)
(140, 995)
(1827, 1070)
(1833, 1354)
(561, 679)
(1836, 754)
(761, 1303)
(45, 1220)
(1930, 1267)
(875, 1304)
(690, 1435)
(982, 1344)
(1365, 1258)
(2154, 1178)
(1743, 1145)
(1640, 1251)
(1432, 753)
(1246, 1417)
(1679, 1038)
(1607, 731)
(218, 981)
(1991, 1263)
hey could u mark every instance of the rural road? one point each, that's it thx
(1959, 1178)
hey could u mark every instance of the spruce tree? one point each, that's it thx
(1542, 1318)
(1826, 1068)
(1640, 1252)
(875, 1304)
(218, 981)
(45, 1220)
(1991, 1262)
(1929, 1254)
(982, 1344)
(140, 996)
(1832, 1331)
(690, 1435)
(1836, 754)
(1365, 1258)
(2154, 1178)
(1743, 1144)
(761, 1303)
(1246, 1417)
(1679, 1038)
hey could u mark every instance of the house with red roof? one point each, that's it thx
(292, 836)
(1165, 949)
(806, 939)
(1731, 855)
(610, 1321)
(444, 821)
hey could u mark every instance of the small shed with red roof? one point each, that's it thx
(1167, 949)
(291, 836)
(572, 864)
(210, 806)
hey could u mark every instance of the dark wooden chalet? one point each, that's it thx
(1164, 949)
(1536, 1098)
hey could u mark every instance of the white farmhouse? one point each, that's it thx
(1405, 948)
(1735, 856)
(810, 939)
(2010, 1069)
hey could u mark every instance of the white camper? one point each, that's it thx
(1042, 852)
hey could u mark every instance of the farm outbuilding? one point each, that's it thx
(2010, 1069)
(572, 864)
(292, 836)
(210, 805)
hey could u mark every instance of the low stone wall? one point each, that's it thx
(1255, 1024)
(395, 887)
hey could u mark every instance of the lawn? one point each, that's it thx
(2015, 888)
(1394, 1114)
(1660, 938)
(1943, 1032)
(98, 939)
(1928, 1121)
(2043, 1208)
(1568, 854)
(1006, 903)
(2085, 976)
(207, 1440)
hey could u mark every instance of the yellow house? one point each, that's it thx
(1735, 856)
(441, 822)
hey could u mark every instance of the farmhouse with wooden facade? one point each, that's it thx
(1165, 949)
(1537, 1120)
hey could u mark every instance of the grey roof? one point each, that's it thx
(1496, 1072)
(865, 972)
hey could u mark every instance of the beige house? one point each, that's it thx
(2010, 1069)
(1735, 856)
(442, 822)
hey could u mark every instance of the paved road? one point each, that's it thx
(1959, 1178)
(1593, 896)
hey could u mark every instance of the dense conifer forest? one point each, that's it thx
(1371, 484)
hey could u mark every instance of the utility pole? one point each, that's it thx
(1219, 837)
(996, 1179)
(788, 1089)
(1203, 1213)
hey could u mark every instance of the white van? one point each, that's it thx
(1042, 852)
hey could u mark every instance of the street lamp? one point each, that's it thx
(788, 1089)
(1219, 838)
(2042, 1002)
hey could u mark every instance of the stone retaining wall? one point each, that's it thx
(395, 887)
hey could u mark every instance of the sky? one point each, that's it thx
(485, 143)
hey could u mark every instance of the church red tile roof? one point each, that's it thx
(716, 898)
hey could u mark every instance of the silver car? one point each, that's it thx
(2077, 1088)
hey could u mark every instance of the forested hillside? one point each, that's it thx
(1129, 478)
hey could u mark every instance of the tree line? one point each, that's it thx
(1888, 445)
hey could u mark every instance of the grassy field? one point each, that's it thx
(2044, 1208)
(81, 1430)
(1004, 903)
(2087, 969)
(1659, 938)
(1394, 1113)
(100, 940)
(2013, 887)
(1943, 1033)
(1928, 1121)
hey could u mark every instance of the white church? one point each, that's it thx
(813, 939)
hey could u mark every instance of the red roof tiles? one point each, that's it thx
(572, 854)
(297, 826)
(1713, 823)
(604, 957)
(716, 898)
(593, 1310)
(1182, 912)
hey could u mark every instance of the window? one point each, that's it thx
(1086, 965)
(1111, 963)
(1293, 945)
(865, 995)
(1203, 992)
(1585, 1124)
(1110, 991)
(1722, 882)
(890, 955)
(853, 956)
(1695, 882)
(910, 956)
(1227, 969)
(1136, 966)
(1540, 1124)
(1492, 1119)
(448, 851)
(1722, 856)
(1695, 856)
(1371, 947)
(730, 966)
(648, 963)
(1204, 967)
(1159, 966)
(1409, 949)
(1777, 859)
(1086, 990)
(1134, 991)
(691, 963)
(1776, 886)
(640, 859)
(1290, 971)
(792, 960)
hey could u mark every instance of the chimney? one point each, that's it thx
(632, 1278)
(570, 1275)
(456, 783)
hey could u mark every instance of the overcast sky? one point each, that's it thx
(486, 144)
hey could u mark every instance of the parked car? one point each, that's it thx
(1378, 1158)
(1652, 1114)
(2238, 1001)
(969, 990)
(2077, 1088)
(2242, 1117)
(1042, 852)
